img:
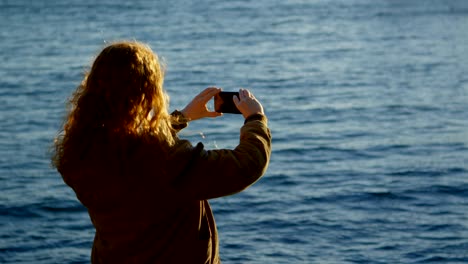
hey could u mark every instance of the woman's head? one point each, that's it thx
(126, 79)
(121, 95)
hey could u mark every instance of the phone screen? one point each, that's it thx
(223, 103)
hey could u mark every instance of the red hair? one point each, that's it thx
(122, 95)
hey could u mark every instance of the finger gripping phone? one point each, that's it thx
(223, 103)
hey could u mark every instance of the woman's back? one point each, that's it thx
(139, 215)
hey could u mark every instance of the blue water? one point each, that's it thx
(367, 101)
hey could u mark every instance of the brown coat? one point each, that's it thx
(151, 207)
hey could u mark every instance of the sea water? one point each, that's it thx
(367, 102)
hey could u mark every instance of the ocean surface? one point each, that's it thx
(367, 102)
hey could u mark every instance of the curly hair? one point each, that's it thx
(121, 95)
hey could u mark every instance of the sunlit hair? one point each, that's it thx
(122, 95)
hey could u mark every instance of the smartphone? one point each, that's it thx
(223, 103)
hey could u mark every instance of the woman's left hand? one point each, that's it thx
(197, 109)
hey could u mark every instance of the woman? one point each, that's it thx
(145, 189)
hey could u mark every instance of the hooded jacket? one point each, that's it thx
(150, 206)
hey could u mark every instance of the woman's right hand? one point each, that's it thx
(247, 103)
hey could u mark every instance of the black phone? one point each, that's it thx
(223, 103)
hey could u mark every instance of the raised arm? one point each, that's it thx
(216, 173)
